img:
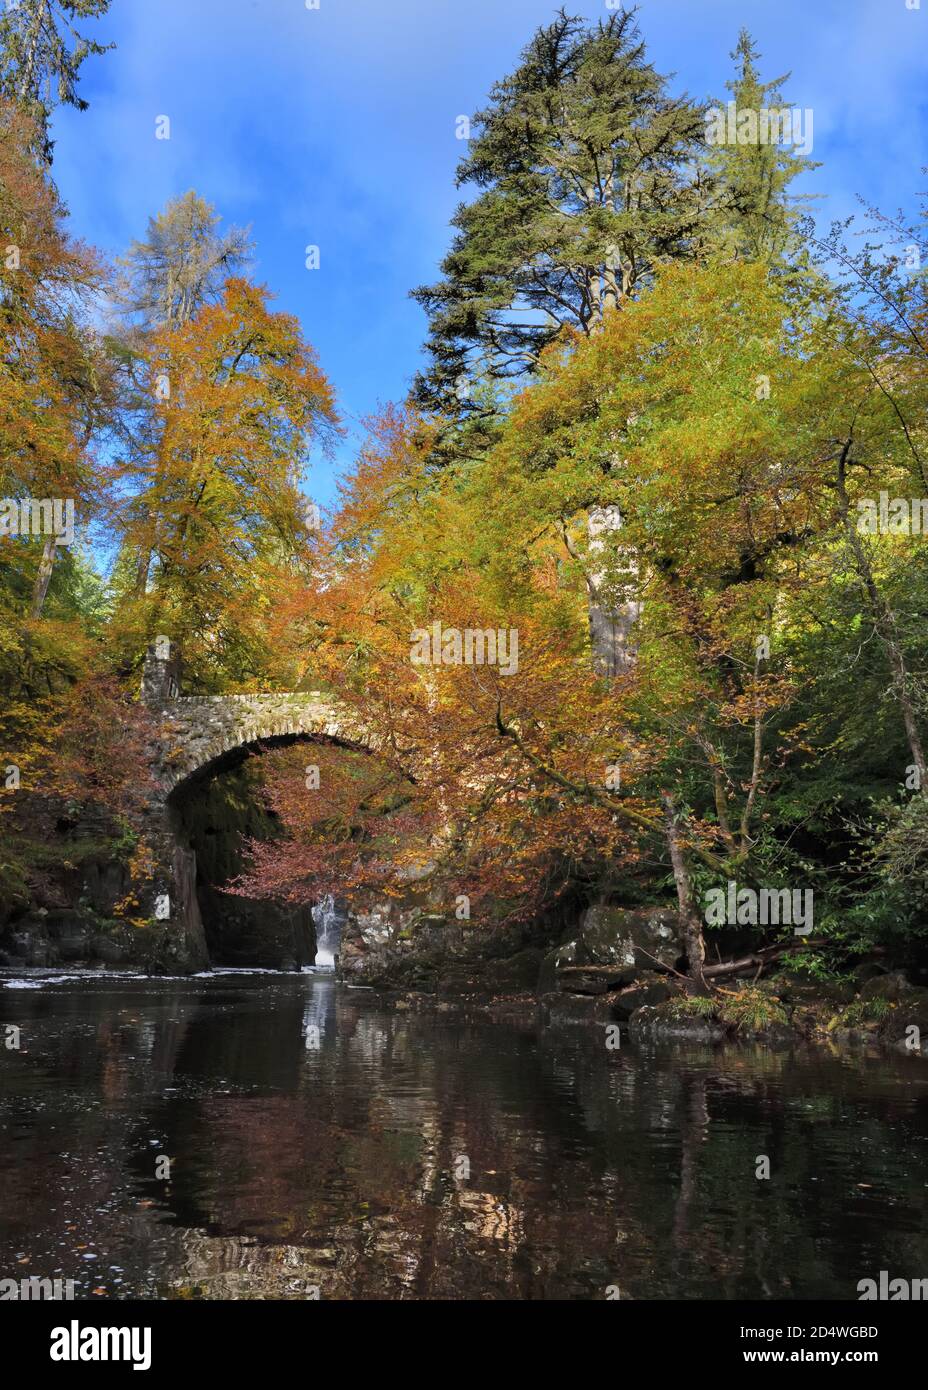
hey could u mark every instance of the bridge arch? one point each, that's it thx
(197, 736)
(202, 736)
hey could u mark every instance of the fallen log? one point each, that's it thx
(757, 960)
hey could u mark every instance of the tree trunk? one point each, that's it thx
(34, 37)
(690, 926)
(141, 572)
(610, 628)
(43, 578)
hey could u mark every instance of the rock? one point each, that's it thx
(27, 948)
(558, 1009)
(110, 951)
(867, 970)
(27, 940)
(594, 979)
(774, 1034)
(654, 1024)
(520, 972)
(650, 989)
(105, 884)
(567, 953)
(892, 986)
(854, 1037)
(795, 987)
(68, 930)
(461, 979)
(911, 1012)
(629, 936)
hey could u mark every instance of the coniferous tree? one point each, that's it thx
(41, 54)
(181, 265)
(754, 215)
(585, 169)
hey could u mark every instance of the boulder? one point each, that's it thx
(567, 953)
(639, 936)
(892, 986)
(109, 951)
(558, 1009)
(27, 941)
(68, 930)
(654, 1024)
(867, 970)
(911, 1011)
(649, 989)
(593, 979)
(516, 974)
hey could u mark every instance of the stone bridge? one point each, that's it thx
(196, 737)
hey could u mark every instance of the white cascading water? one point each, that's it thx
(328, 920)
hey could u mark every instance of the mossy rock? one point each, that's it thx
(665, 1023)
(639, 936)
(893, 987)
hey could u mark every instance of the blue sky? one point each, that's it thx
(336, 127)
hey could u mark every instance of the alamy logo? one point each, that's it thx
(892, 1290)
(36, 1290)
(901, 516)
(27, 516)
(438, 646)
(743, 907)
(76, 1343)
(771, 125)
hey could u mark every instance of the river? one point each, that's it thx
(320, 1142)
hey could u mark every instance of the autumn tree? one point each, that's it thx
(162, 282)
(54, 395)
(239, 399)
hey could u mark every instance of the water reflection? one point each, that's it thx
(318, 1140)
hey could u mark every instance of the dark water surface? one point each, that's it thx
(339, 1165)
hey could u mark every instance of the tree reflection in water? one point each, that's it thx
(321, 1140)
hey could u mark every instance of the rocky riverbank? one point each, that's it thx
(594, 965)
(624, 966)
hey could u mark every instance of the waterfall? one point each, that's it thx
(328, 920)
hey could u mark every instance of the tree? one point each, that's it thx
(753, 216)
(53, 390)
(583, 165)
(181, 265)
(163, 281)
(238, 398)
(41, 54)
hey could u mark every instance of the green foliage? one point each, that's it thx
(693, 1006)
(750, 1010)
(754, 216)
(746, 1010)
(41, 54)
(582, 163)
(860, 1012)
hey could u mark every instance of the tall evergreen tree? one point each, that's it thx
(753, 213)
(41, 53)
(584, 166)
